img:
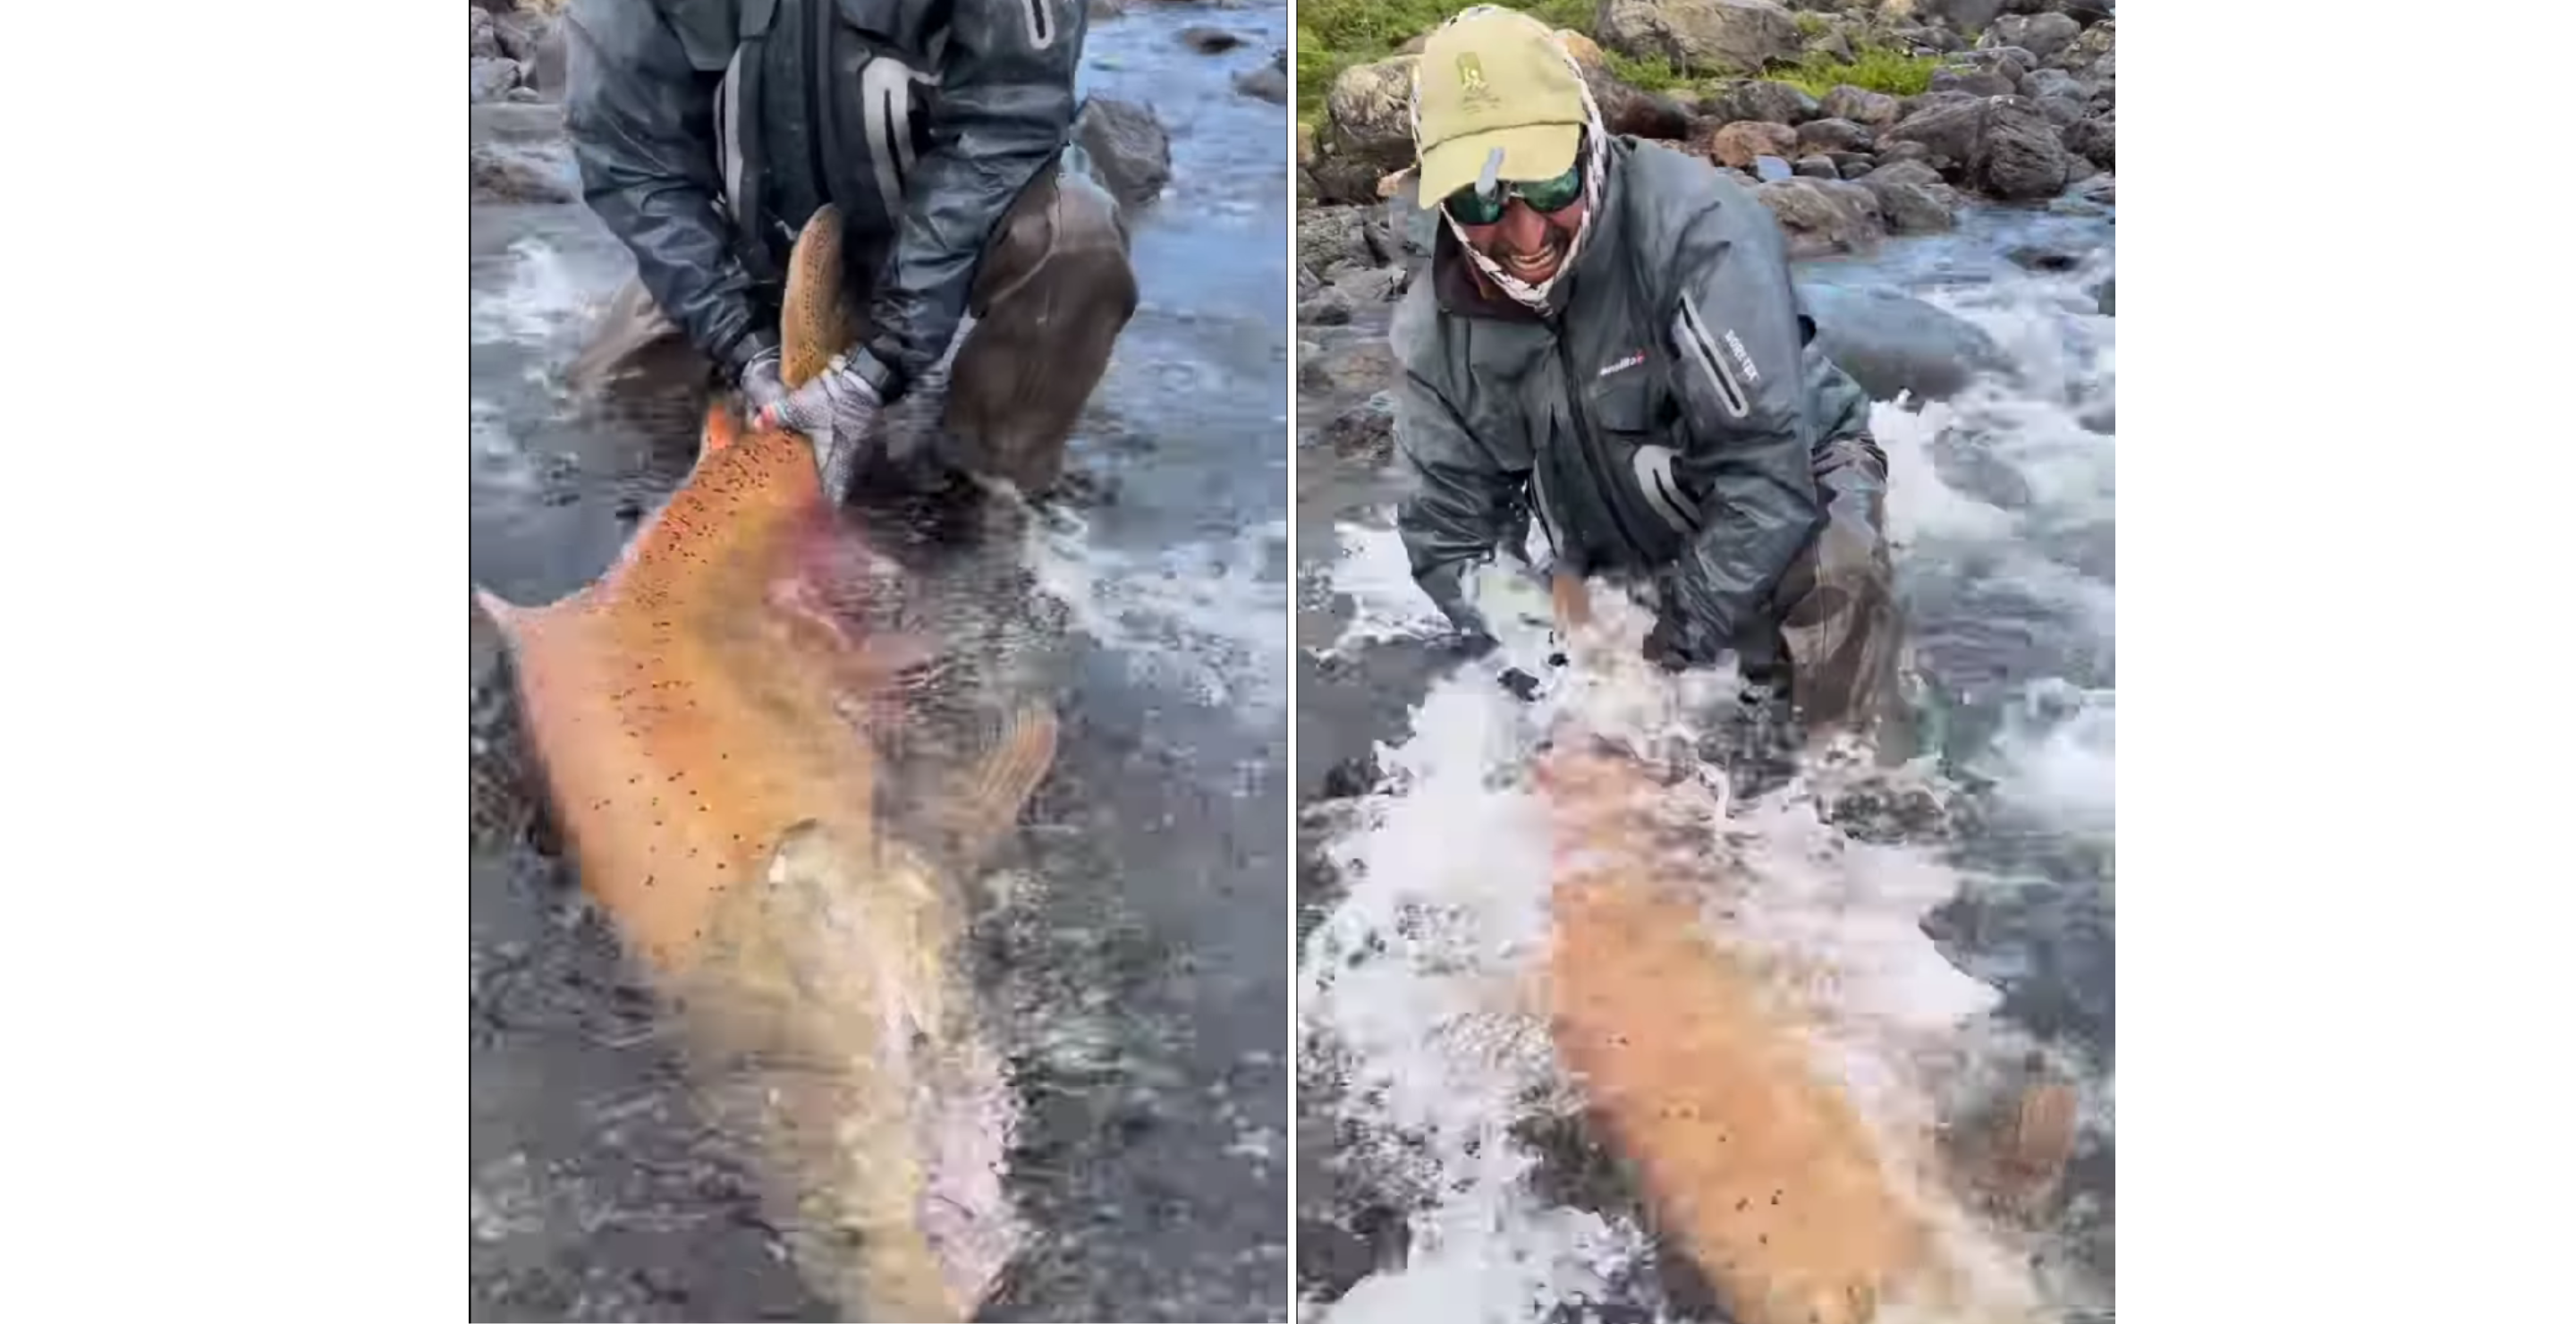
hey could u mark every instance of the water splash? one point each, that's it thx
(1206, 620)
(1414, 986)
(543, 297)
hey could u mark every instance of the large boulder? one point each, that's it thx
(1892, 343)
(1911, 198)
(1946, 131)
(1823, 218)
(2042, 35)
(1976, 81)
(1740, 143)
(1130, 151)
(1715, 36)
(1875, 110)
(1760, 99)
(2096, 139)
(2097, 41)
(1835, 136)
(1624, 109)
(1367, 129)
(2018, 156)
(1331, 240)
(2005, 146)
(1960, 15)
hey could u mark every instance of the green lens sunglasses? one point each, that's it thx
(1472, 207)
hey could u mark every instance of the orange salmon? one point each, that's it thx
(1752, 1158)
(706, 730)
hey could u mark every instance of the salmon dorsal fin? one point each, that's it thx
(814, 313)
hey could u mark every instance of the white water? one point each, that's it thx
(1205, 621)
(1413, 988)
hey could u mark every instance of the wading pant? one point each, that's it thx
(1053, 291)
(1835, 635)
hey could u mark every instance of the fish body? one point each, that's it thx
(705, 716)
(1753, 1158)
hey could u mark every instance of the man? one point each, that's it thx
(708, 131)
(1608, 339)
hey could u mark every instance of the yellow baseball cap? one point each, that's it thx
(1494, 78)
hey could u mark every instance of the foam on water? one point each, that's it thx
(1414, 988)
(1206, 620)
(1373, 576)
(542, 297)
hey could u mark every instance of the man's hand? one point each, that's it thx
(1678, 643)
(836, 411)
(762, 390)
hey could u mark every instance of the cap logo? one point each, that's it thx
(1472, 88)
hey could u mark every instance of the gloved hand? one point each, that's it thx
(762, 389)
(836, 411)
(1677, 642)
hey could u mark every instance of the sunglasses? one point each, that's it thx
(1546, 196)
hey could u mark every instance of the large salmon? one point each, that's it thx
(1754, 1160)
(704, 717)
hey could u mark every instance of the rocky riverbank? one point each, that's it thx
(1854, 120)
(514, 50)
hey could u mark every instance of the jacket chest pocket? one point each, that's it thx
(1633, 419)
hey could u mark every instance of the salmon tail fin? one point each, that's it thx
(813, 316)
(504, 613)
(1000, 784)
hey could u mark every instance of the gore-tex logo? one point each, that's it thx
(1624, 364)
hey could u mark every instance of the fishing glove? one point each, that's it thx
(761, 386)
(837, 411)
(1680, 641)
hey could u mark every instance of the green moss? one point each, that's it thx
(1333, 35)
(1650, 74)
(1877, 70)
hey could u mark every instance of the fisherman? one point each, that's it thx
(708, 131)
(1609, 340)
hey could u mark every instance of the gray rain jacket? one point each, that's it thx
(1670, 418)
(707, 131)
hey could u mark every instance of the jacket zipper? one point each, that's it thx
(823, 141)
(1592, 462)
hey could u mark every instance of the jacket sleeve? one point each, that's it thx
(1740, 358)
(1848, 462)
(1460, 502)
(1005, 110)
(640, 120)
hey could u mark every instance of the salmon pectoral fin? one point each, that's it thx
(722, 430)
(988, 805)
(2032, 1142)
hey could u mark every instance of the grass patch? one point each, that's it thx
(1651, 73)
(1333, 35)
(1877, 70)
